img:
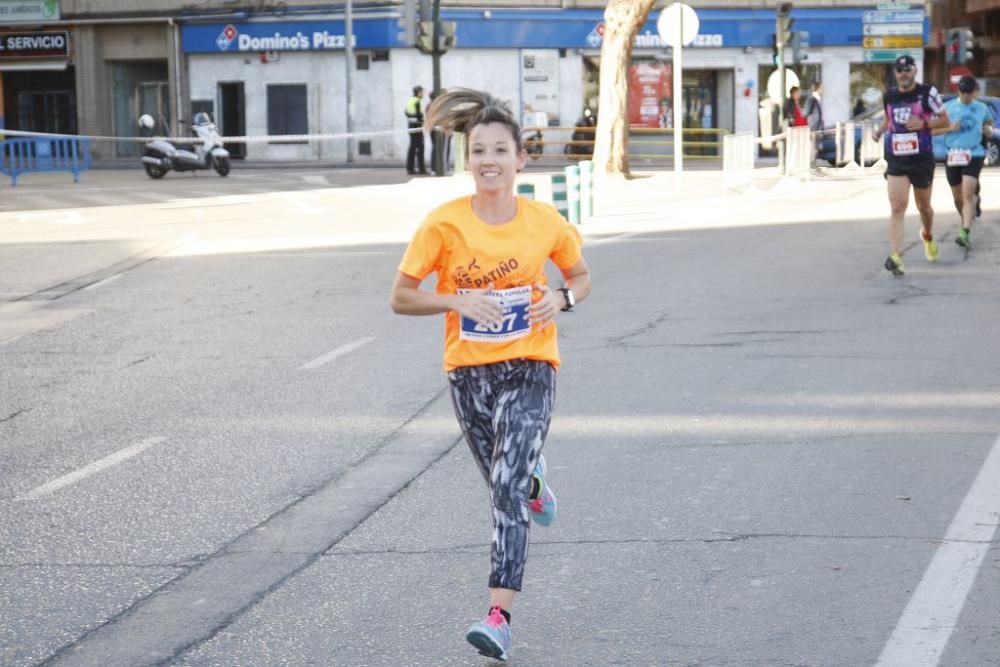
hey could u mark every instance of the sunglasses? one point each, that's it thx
(904, 69)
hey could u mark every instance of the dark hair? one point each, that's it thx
(461, 109)
(792, 89)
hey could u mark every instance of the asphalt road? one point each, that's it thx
(766, 450)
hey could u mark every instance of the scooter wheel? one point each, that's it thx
(221, 166)
(154, 171)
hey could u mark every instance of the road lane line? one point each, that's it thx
(339, 352)
(91, 469)
(102, 283)
(932, 613)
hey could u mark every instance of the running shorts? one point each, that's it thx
(918, 168)
(972, 169)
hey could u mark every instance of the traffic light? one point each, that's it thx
(800, 46)
(408, 23)
(425, 37)
(775, 51)
(447, 37)
(783, 26)
(951, 46)
(966, 42)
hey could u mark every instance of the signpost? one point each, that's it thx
(900, 42)
(892, 30)
(889, 55)
(678, 26)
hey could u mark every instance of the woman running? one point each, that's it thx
(489, 252)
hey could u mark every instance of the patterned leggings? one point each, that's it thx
(504, 411)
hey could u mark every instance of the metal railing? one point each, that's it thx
(577, 143)
(42, 154)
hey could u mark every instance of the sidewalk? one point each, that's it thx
(75, 247)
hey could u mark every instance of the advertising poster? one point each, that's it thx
(649, 95)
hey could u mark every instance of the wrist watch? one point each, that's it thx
(570, 299)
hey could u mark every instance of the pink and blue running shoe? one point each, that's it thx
(543, 508)
(491, 635)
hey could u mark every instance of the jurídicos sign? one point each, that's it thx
(28, 11)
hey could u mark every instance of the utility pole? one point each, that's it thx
(782, 30)
(437, 138)
(349, 57)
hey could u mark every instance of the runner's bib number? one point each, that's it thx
(959, 157)
(905, 144)
(514, 325)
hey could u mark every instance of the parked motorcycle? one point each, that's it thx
(162, 156)
(581, 142)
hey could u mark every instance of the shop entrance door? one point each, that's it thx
(139, 88)
(232, 116)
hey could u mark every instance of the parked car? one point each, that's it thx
(828, 145)
(827, 149)
(992, 147)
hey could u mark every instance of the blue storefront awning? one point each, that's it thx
(541, 29)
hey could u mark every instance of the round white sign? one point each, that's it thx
(677, 24)
(774, 84)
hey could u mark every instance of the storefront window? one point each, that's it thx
(868, 81)
(286, 109)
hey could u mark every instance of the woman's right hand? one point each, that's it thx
(477, 306)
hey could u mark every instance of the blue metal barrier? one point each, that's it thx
(39, 154)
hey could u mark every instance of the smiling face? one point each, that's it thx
(494, 158)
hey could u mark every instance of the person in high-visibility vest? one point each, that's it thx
(415, 122)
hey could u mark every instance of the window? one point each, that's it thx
(287, 112)
(361, 61)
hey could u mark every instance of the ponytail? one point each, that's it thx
(461, 109)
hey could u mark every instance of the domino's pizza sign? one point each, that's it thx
(226, 37)
(596, 36)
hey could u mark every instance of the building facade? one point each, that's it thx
(266, 68)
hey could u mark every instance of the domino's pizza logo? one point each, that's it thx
(226, 37)
(596, 36)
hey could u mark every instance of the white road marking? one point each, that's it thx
(92, 469)
(339, 352)
(102, 283)
(932, 613)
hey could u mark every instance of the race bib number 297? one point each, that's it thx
(514, 323)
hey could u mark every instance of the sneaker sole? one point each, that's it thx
(891, 266)
(486, 645)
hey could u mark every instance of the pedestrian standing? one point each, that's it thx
(814, 116)
(792, 110)
(814, 108)
(912, 111)
(415, 124)
(963, 142)
(489, 252)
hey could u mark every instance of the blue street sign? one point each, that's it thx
(909, 16)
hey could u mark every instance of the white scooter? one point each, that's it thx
(161, 156)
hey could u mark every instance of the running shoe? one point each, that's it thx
(963, 238)
(894, 263)
(491, 635)
(930, 248)
(543, 508)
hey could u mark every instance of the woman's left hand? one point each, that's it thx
(544, 311)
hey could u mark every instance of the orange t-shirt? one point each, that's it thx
(467, 253)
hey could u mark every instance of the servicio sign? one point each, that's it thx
(34, 44)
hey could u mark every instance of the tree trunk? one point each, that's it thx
(622, 21)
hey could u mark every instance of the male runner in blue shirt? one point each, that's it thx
(963, 142)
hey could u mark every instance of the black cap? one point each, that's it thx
(967, 84)
(417, 90)
(906, 61)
